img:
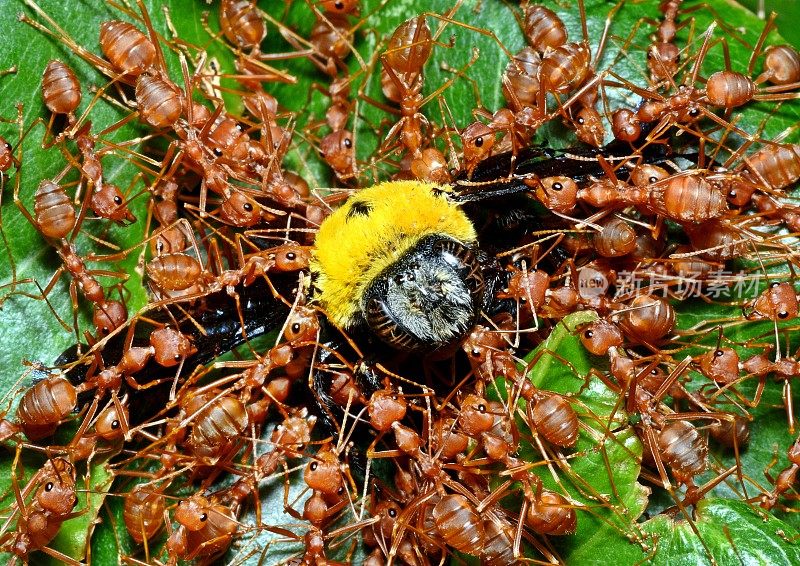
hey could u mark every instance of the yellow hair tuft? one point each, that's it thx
(371, 231)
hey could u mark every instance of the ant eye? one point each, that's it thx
(653, 179)
(240, 127)
(774, 284)
(654, 371)
(588, 333)
(732, 193)
(339, 5)
(217, 151)
(290, 256)
(296, 327)
(581, 121)
(204, 517)
(313, 466)
(481, 408)
(479, 141)
(557, 186)
(247, 207)
(392, 513)
(476, 353)
(7, 146)
(719, 353)
(348, 143)
(115, 425)
(783, 314)
(49, 486)
(117, 200)
(177, 357)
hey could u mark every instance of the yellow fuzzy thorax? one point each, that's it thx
(371, 231)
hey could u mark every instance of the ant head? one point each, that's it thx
(193, 513)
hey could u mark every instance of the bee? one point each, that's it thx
(400, 258)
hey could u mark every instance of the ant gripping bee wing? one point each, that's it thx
(504, 173)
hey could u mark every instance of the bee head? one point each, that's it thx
(428, 299)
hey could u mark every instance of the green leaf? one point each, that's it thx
(787, 12)
(732, 532)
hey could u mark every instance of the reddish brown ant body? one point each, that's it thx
(52, 504)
